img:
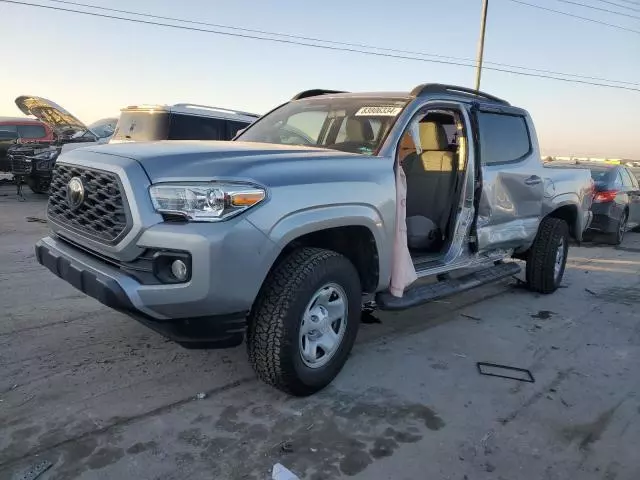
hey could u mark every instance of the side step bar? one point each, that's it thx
(420, 294)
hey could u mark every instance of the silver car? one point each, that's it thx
(330, 201)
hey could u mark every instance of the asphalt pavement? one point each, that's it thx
(88, 393)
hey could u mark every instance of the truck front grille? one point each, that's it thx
(101, 215)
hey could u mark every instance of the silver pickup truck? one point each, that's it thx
(329, 202)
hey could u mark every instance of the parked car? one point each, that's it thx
(7, 140)
(28, 129)
(21, 130)
(616, 205)
(32, 164)
(328, 201)
(97, 133)
(182, 121)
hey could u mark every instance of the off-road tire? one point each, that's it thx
(540, 271)
(275, 320)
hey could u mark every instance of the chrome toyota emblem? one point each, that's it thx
(75, 193)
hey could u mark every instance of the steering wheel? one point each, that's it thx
(292, 138)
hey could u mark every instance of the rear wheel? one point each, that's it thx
(548, 256)
(618, 236)
(305, 321)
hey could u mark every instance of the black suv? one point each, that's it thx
(182, 121)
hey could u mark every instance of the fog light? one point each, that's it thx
(179, 270)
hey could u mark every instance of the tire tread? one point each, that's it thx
(540, 273)
(267, 344)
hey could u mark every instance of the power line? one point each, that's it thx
(325, 47)
(628, 15)
(586, 19)
(622, 6)
(630, 1)
(357, 45)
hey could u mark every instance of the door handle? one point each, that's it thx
(533, 180)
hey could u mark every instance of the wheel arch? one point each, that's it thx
(356, 231)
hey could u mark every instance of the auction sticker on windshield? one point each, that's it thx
(379, 111)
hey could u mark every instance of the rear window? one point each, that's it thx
(503, 138)
(32, 131)
(600, 176)
(192, 127)
(235, 127)
(8, 128)
(142, 126)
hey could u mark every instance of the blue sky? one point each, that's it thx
(93, 66)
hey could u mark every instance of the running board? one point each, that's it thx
(421, 294)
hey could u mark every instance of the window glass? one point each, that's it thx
(234, 127)
(356, 125)
(308, 124)
(619, 180)
(374, 123)
(32, 131)
(503, 138)
(8, 128)
(627, 180)
(191, 127)
(142, 126)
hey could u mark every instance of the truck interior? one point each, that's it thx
(434, 171)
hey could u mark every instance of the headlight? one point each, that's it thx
(205, 202)
(48, 155)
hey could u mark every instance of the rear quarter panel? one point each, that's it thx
(569, 187)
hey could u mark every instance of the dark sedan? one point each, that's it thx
(616, 205)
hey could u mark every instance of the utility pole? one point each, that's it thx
(483, 24)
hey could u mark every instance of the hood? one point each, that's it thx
(266, 163)
(62, 122)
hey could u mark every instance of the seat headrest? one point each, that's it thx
(358, 130)
(406, 147)
(433, 136)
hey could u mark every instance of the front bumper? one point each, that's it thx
(210, 308)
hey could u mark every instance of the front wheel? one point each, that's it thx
(548, 256)
(305, 321)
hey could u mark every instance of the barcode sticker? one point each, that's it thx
(378, 111)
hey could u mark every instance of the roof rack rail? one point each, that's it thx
(427, 88)
(216, 109)
(314, 93)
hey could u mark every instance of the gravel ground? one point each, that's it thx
(101, 397)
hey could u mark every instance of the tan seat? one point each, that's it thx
(358, 130)
(431, 177)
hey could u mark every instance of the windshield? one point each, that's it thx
(355, 125)
(104, 128)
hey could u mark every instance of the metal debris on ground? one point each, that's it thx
(286, 447)
(36, 219)
(590, 291)
(471, 317)
(527, 377)
(201, 396)
(280, 472)
(35, 470)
